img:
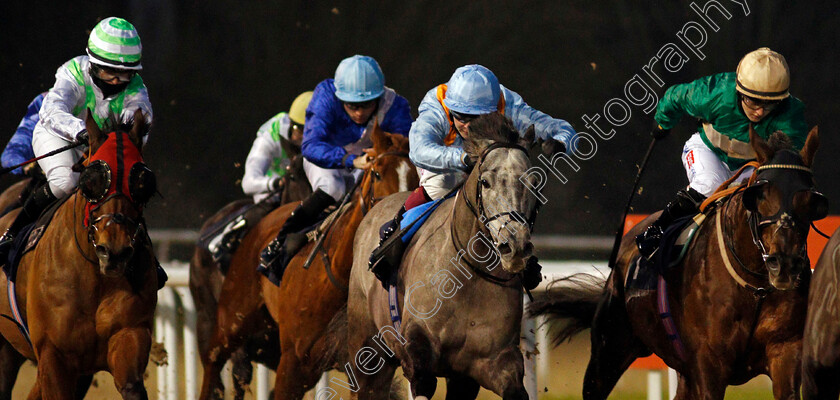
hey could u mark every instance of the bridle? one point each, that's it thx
(89, 222)
(782, 219)
(478, 211)
(368, 197)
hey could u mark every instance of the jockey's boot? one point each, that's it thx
(301, 217)
(386, 257)
(32, 208)
(687, 203)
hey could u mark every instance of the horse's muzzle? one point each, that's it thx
(113, 263)
(785, 271)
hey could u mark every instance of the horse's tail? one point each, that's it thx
(335, 342)
(569, 304)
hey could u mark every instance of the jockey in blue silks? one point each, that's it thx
(19, 149)
(339, 121)
(437, 136)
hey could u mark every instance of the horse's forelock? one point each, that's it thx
(488, 129)
(779, 141)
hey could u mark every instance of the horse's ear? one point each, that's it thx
(138, 129)
(762, 149)
(527, 140)
(94, 134)
(381, 140)
(810, 148)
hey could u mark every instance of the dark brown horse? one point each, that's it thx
(88, 291)
(737, 300)
(206, 277)
(307, 299)
(821, 349)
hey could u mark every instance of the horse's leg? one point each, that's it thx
(10, 362)
(55, 380)
(461, 388)
(242, 373)
(418, 365)
(784, 362)
(128, 355)
(82, 386)
(614, 348)
(35, 392)
(376, 386)
(294, 377)
(502, 374)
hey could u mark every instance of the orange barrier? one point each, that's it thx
(816, 243)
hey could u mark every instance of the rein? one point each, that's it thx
(478, 211)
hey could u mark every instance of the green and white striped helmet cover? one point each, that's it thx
(114, 43)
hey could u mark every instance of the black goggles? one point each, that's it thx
(754, 104)
(463, 118)
(363, 105)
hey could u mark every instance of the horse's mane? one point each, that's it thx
(113, 124)
(488, 129)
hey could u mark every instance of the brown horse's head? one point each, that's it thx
(502, 202)
(116, 184)
(782, 203)
(391, 171)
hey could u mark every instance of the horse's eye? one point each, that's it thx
(377, 175)
(142, 183)
(485, 183)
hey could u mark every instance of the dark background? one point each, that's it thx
(216, 70)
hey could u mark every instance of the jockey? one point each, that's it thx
(278, 141)
(19, 149)
(105, 81)
(726, 105)
(339, 121)
(437, 137)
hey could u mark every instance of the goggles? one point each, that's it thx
(463, 118)
(109, 74)
(364, 105)
(754, 104)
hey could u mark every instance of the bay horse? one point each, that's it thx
(737, 301)
(461, 313)
(307, 299)
(820, 349)
(206, 277)
(88, 291)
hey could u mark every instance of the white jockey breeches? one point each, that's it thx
(704, 169)
(438, 184)
(57, 168)
(333, 182)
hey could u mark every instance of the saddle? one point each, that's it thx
(28, 239)
(295, 241)
(643, 273)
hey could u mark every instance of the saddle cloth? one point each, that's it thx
(28, 238)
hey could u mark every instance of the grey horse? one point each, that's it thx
(459, 284)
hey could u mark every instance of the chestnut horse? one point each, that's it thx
(307, 299)
(821, 346)
(737, 300)
(88, 291)
(206, 277)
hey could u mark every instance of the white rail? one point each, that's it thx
(175, 322)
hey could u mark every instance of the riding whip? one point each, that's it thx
(52, 153)
(619, 232)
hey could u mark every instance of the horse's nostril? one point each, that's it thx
(504, 249)
(101, 250)
(529, 247)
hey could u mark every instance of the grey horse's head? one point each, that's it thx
(505, 206)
